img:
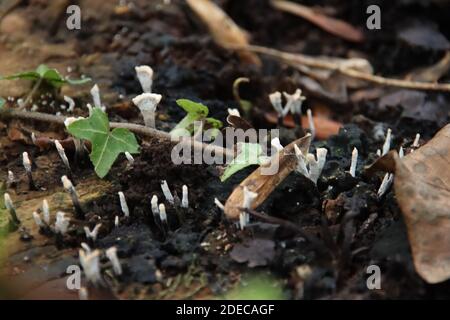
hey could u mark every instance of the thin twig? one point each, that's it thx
(136, 128)
(31, 94)
(295, 59)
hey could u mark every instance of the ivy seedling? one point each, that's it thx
(251, 154)
(106, 144)
(195, 112)
(49, 75)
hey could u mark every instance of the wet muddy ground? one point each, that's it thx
(204, 255)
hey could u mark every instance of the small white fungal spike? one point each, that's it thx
(62, 154)
(147, 103)
(11, 178)
(111, 253)
(86, 247)
(145, 77)
(8, 202)
(129, 157)
(166, 191)
(116, 221)
(67, 184)
(312, 127)
(185, 199)
(91, 265)
(162, 213)
(321, 158)
(249, 198)
(401, 153)
(387, 142)
(294, 102)
(62, 223)
(70, 120)
(234, 112)
(123, 204)
(154, 203)
(219, 204)
(26, 161)
(33, 138)
(379, 152)
(38, 220)
(416, 141)
(316, 166)
(95, 92)
(275, 142)
(385, 184)
(46, 211)
(354, 162)
(71, 103)
(275, 100)
(83, 294)
(89, 106)
(92, 234)
(301, 162)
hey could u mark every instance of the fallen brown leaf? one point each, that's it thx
(256, 252)
(432, 73)
(334, 26)
(263, 185)
(325, 128)
(222, 28)
(422, 188)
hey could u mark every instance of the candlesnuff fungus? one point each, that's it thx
(12, 210)
(123, 204)
(11, 179)
(63, 156)
(116, 221)
(312, 127)
(154, 204)
(73, 195)
(38, 220)
(185, 199)
(145, 77)
(61, 223)
(166, 191)
(416, 141)
(309, 165)
(219, 204)
(244, 217)
(83, 294)
(387, 142)
(294, 102)
(95, 92)
(111, 253)
(45, 212)
(163, 215)
(275, 142)
(354, 162)
(147, 103)
(401, 152)
(385, 184)
(277, 103)
(94, 233)
(71, 103)
(301, 162)
(129, 158)
(27, 165)
(234, 112)
(91, 265)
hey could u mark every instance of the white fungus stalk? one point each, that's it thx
(111, 253)
(71, 103)
(62, 154)
(68, 186)
(401, 152)
(312, 128)
(123, 204)
(416, 141)
(185, 199)
(38, 220)
(275, 142)
(147, 103)
(83, 294)
(129, 158)
(301, 162)
(294, 102)
(234, 112)
(61, 223)
(166, 191)
(89, 106)
(45, 212)
(313, 168)
(249, 198)
(95, 92)
(94, 233)
(275, 100)
(69, 120)
(11, 208)
(162, 214)
(91, 265)
(385, 184)
(387, 142)
(154, 204)
(33, 138)
(27, 165)
(354, 162)
(145, 77)
(219, 204)
(116, 221)
(379, 152)
(11, 179)
(86, 247)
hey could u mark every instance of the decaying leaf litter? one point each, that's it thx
(318, 239)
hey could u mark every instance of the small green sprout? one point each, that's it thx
(251, 154)
(195, 112)
(45, 74)
(2, 102)
(106, 144)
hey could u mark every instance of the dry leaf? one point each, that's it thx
(422, 188)
(334, 26)
(432, 73)
(222, 28)
(263, 185)
(256, 252)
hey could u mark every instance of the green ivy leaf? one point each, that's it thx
(43, 72)
(251, 154)
(106, 144)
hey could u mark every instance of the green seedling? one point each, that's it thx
(196, 112)
(251, 154)
(106, 144)
(2, 102)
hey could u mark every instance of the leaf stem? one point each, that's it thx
(30, 95)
